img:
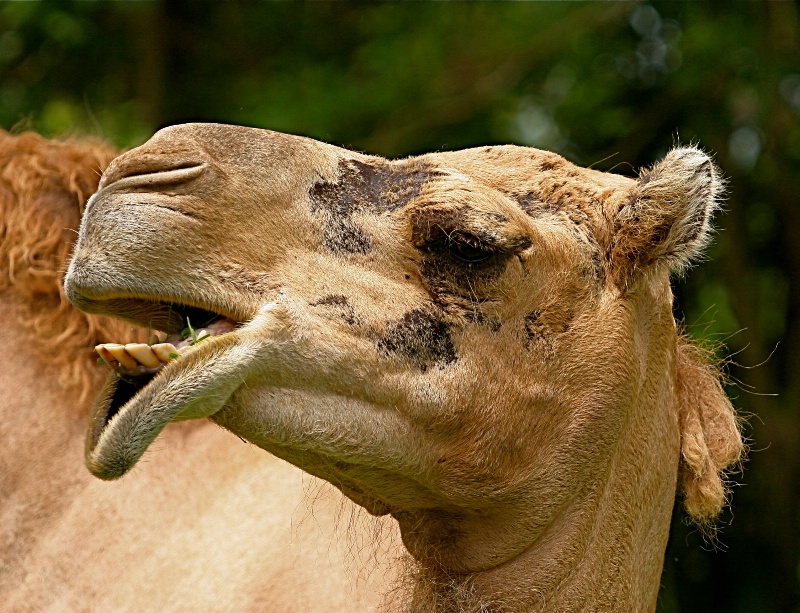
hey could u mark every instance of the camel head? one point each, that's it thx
(480, 343)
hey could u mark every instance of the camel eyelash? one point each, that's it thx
(467, 248)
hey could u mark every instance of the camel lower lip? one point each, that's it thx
(119, 392)
(131, 412)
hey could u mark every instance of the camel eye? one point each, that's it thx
(468, 250)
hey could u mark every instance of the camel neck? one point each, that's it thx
(591, 558)
(603, 550)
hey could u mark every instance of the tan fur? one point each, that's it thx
(710, 441)
(478, 343)
(225, 529)
(43, 188)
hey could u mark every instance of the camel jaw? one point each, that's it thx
(131, 411)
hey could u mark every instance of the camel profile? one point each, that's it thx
(224, 529)
(477, 343)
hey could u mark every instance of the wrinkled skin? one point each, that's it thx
(479, 343)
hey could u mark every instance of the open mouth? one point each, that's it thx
(135, 364)
(143, 374)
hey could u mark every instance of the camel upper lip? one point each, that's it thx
(155, 314)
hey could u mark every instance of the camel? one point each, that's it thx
(479, 344)
(223, 529)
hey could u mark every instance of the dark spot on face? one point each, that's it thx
(537, 335)
(342, 234)
(454, 284)
(402, 183)
(332, 299)
(341, 306)
(336, 202)
(421, 338)
(373, 187)
(533, 326)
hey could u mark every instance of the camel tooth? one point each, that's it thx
(104, 353)
(143, 354)
(202, 333)
(122, 356)
(163, 351)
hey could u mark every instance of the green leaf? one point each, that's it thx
(189, 331)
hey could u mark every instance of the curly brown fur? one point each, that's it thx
(711, 440)
(44, 186)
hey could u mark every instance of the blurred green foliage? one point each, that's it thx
(612, 85)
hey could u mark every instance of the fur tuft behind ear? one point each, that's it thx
(711, 442)
(667, 217)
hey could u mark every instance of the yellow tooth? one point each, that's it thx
(105, 354)
(121, 356)
(143, 354)
(163, 350)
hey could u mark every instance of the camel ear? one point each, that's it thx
(667, 216)
(711, 442)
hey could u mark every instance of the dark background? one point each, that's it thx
(613, 85)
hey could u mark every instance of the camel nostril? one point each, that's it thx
(151, 171)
